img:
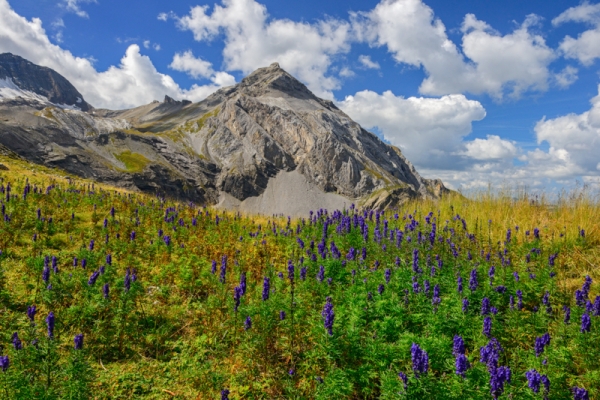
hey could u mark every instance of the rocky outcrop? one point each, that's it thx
(40, 80)
(265, 144)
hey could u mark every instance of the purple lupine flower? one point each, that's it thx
(586, 323)
(237, 294)
(50, 324)
(404, 379)
(426, 287)
(291, 271)
(436, 300)
(46, 274)
(540, 343)
(465, 305)
(321, 273)
(17, 344)
(213, 269)
(462, 364)
(93, 278)
(109, 259)
(536, 233)
(247, 323)
(105, 290)
(416, 269)
(91, 245)
(224, 392)
(459, 284)
(105, 223)
(458, 346)
(487, 326)
(580, 394)
(491, 274)
(380, 288)
(83, 263)
(388, 275)
(520, 300)
(498, 377)
(328, 316)
(4, 360)
(546, 383)
(55, 264)
(473, 280)
(485, 306)
(31, 310)
(420, 360)
(516, 275)
(127, 282)
(351, 254)
(281, 315)
(596, 307)
(266, 288)
(78, 341)
(567, 311)
(243, 283)
(534, 380)
(303, 273)
(223, 271)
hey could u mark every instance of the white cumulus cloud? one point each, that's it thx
(586, 47)
(487, 61)
(195, 67)
(492, 148)
(133, 82)
(74, 6)
(252, 41)
(428, 130)
(368, 63)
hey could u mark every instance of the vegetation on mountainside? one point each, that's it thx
(448, 300)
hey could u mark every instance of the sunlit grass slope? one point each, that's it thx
(444, 300)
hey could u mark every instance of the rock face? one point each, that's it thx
(42, 81)
(264, 145)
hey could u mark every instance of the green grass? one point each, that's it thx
(174, 333)
(134, 162)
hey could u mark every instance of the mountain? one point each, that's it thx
(265, 145)
(21, 78)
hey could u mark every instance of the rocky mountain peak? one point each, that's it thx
(265, 145)
(19, 73)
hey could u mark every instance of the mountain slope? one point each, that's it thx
(265, 145)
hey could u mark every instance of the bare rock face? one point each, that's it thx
(267, 144)
(42, 81)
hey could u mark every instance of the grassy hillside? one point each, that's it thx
(171, 298)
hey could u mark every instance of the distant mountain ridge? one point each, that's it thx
(42, 81)
(266, 144)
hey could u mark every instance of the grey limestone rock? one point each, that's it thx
(267, 143)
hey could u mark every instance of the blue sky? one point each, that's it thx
(473, 92)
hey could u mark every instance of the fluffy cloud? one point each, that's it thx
(133, 82)
(368, 63)
(574, 141)
(252, 41)
(194, 67)
(489, 62)
(586, 48)
(73, 6)
(428, 130)
(492, 148)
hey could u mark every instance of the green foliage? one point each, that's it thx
(173, 331)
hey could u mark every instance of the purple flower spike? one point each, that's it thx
(31, 313)
(78, 341)
(266, 288)
(487, 326)
(420, 360)
(247, 323)
(105, 290)
(580, 394)
(17, 344)
(50, 324)
(328, 316)
(586, 323)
